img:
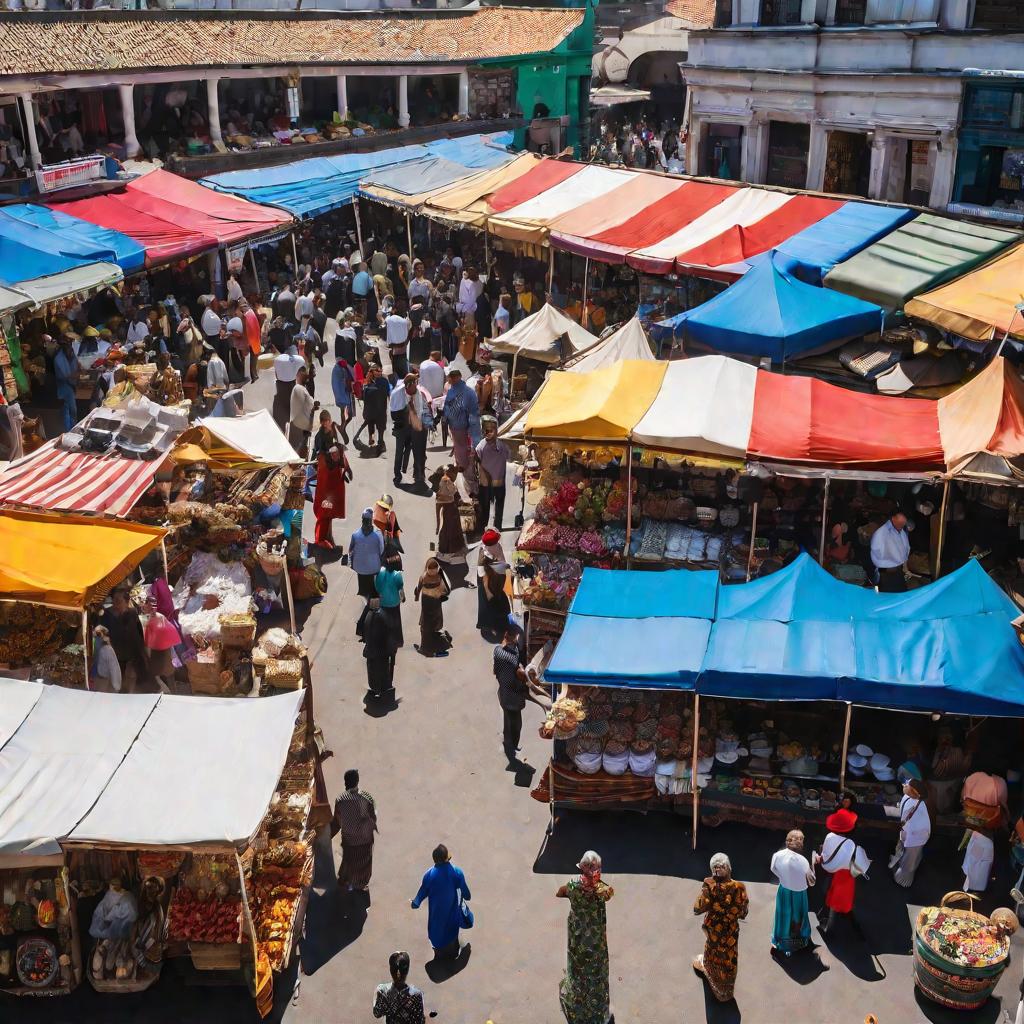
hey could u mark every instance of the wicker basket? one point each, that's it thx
(283, 673)
(237, 630)
(216, 956)
(204, 671)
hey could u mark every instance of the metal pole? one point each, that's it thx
(584, 319)
(551, 792)
(846, 747)
(824, 522)
(163, 551)
(753, 536)
(85, 644)
(943, 510)
(295, 255)
(408, 233)
(255, 272)
(551, 269)
(291, 600)
(1009, 327)
(629, 505)
(693, 767)
(487, 249)
(359, 224)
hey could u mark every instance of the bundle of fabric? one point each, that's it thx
(208, 589)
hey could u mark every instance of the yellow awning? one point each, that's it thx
(980, 305)
(465, 202)
(601, 406)
(68, 561)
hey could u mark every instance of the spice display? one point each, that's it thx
(202, 916)
(963, 938)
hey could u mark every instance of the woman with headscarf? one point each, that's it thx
(386, 521)
(451, 541)
(723, 902)
(332, 473)
(489, 555)
(583, 992)
(432, 591)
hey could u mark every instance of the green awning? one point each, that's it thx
(920, 255)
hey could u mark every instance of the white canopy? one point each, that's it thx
(58, 761)
(705, 404)
(628, 342)
(41, 290)
(539, 336)
(253, 435)
(204, 769)
(591, 182)
(145, 769)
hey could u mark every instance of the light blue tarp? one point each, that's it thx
(28, 252)
(129, 254)
(479, 152)
(313, 186)
(419, 176)
(800, 634)
(768, 312)
(810, 254)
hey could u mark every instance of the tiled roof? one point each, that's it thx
(98, 42)
(699, 13)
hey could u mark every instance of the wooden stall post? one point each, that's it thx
(551, 269)
(846, 747)
(295, 255)
(85, 644)
(487, 248)
(408, 233)
(753, 535)
(693, 768)
(824, 522)
(629, 504)
(359, 223)
(584, 319)
(551, 793)
(943, 513)
(163, 551)
(255, 272)
(291, 599)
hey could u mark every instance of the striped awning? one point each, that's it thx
(76, 481)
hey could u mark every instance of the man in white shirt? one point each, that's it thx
(329, 275)
(301, 410)
(396, 331)
(211, 322)
(138, 329)
(286, 369)
(304, 306)
(890, 549)
(216, 368)
(792, 930)
(234, 289)
(412, 417)
(432, 375)
(915, 831)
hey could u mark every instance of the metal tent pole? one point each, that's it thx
(551, 269)
(753, 536)
(85, 644)
(408, 234)
(846, 747)
(584, 319)
(824, 522)
(693, 768)
(629, 505)
(943, 514)
(359, 224)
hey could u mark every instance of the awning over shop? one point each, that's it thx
(58, 761)
(41, 290)
(68, 560)
(478, 152)
(206, 741)
(799, 634)
(163, 240)
(253, 439)
(549, 173)
(770, 313)
(810, 254)
(540, 336)
(703, 405)
(465, 202)
(187, 203)
(52, 479)
(17, 698)
(599, 406)
(118, 248)
(628, 342)
(29, 252)
(11, 300)
(916, 257)
(982, 305)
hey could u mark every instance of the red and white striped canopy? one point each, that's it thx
(76, 481)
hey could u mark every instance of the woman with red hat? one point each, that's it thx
(845, 861)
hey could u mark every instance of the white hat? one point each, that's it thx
(884, 774)
(879, 761)
(727, 756)
(864, 750)
(235, 325)
(856, 760)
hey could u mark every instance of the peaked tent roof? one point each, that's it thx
(539, 336)
(981, 305)
(253, 439)
(770, 313)
(917, 256)
(465, 202)
(628, 342)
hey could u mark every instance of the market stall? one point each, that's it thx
(803, 687)
(114, 875)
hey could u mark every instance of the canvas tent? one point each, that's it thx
(540, 336)
(252, 439)
(628, 342)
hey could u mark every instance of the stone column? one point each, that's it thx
(881, 165)
(131, 140)
(754, 159)
(213, 108)
(31, 140)
(817, 151)
(403, 101)
(342, 97)
(943, 168)
(463, 93)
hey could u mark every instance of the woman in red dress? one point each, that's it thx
(845, 861)
(332, 472)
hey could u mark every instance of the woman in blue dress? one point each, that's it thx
(444, 887)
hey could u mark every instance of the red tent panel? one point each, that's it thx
(799, 419)
(661, 219)
(739, 244)
(545, 175)
(226, 217)
(163, 240)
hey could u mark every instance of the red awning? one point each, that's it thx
(800, 419)
(659, 220)
(724, 257)
(545, 175)
(225, 217)
(163, 240)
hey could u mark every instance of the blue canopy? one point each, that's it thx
(419, 176)
(128, 254)
(800, 634)
(313, 186)
(768, 312)
(478, 152)
(28, 252)
(810, 254)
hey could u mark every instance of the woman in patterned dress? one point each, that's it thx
(398, 1002)
(723, 902)
(584, 989)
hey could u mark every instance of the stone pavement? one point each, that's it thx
(435, 766)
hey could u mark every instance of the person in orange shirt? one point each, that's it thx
(253, 335)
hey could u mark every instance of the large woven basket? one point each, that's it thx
(204, 671)
(283, 673)
(237, 630)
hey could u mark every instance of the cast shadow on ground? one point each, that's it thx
(803, 967)
(852, 947)
(440, 969)
(989, 1013)
(524, 773)
(379, 707)
(719, 1013)
(334, 919)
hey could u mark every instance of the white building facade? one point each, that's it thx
(853, 97)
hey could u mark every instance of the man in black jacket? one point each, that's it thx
(374, 629)
(338, 294)
(376, 393)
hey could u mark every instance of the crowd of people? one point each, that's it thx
(642, 143)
